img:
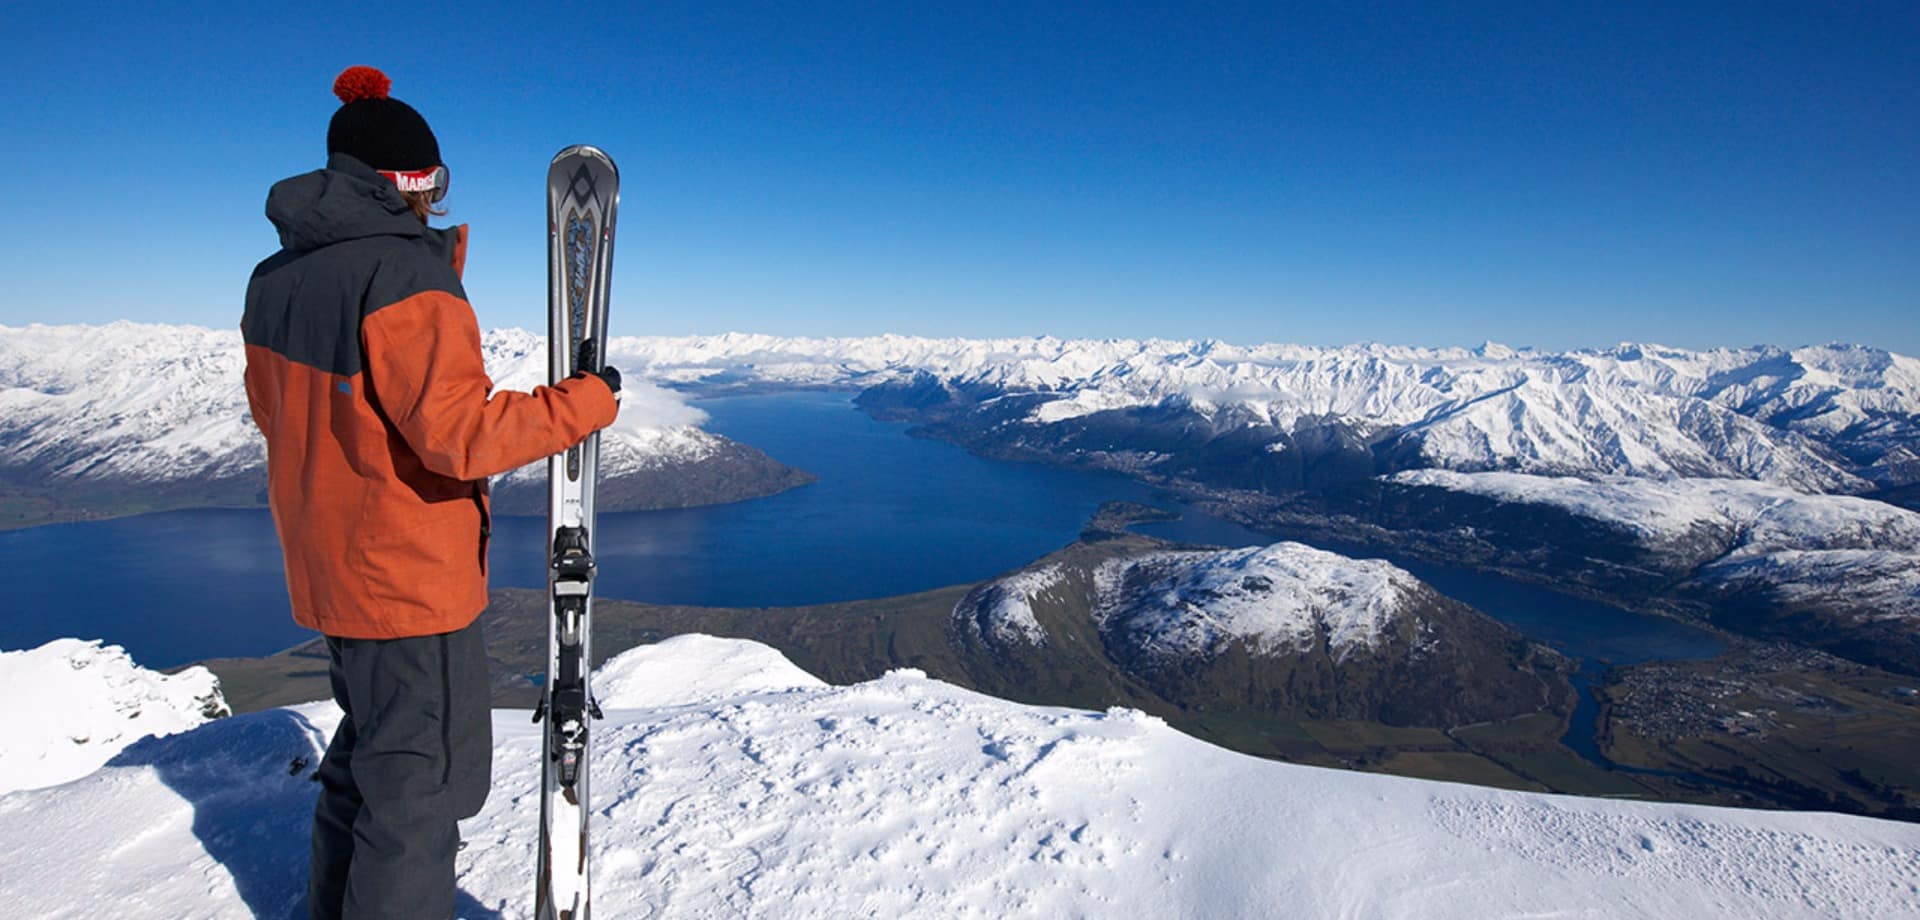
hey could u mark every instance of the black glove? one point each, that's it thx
(586, 360)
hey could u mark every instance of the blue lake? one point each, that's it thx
(891, 514)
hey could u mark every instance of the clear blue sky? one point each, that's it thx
(1555, 176)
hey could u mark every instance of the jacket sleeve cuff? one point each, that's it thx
(590, 386)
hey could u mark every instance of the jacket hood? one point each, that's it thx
(346, 200)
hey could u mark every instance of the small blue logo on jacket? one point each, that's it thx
(345, 387)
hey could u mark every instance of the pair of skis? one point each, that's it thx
(583, 196)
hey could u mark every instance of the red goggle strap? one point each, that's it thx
(418, 180)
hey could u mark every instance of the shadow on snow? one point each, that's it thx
(249, 779)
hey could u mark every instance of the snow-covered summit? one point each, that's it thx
(1001, 610)
(691, 669)
(1287, 596)
(71, 705)
(1180, 603)
(1278, 599)
(908, 797)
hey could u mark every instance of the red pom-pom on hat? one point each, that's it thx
(357, 83)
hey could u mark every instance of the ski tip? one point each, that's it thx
(588, 151)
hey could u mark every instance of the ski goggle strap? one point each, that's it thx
(433, 179)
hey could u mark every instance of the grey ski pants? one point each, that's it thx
(413, 754)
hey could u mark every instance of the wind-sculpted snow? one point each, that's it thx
(70, 705)
(1286, 597)
(907, 797)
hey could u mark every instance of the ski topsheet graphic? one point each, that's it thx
(583, 194)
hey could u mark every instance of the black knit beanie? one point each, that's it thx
(377, 130)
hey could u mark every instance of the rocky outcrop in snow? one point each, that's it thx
(71, 705)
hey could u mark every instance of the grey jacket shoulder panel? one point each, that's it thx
(351, 246)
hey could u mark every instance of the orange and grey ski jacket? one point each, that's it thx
(364, 372)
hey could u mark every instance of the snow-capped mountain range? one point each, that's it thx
(165, 402)
(731, 783)
(169, 402)
(1824, 418)
(1751, 518)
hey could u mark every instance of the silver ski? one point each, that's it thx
(583, 194)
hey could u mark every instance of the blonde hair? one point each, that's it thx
(422, 205)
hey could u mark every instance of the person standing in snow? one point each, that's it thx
(364, 373)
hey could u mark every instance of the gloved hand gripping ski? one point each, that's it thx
(585, 363)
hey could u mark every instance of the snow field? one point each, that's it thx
(729, 783)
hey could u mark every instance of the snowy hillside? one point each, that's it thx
(731, 784)
(1848, 566)
(69, 706)
(1835, 546)
(1274, 600)
(1001, 610)
(132, 400)
(1760, 516)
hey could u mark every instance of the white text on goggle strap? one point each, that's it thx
(416, 181)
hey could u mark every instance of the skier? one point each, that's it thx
(364, 373)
